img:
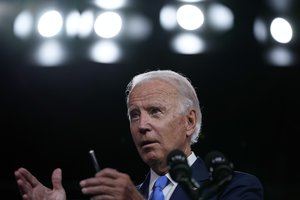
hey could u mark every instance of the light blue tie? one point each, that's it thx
(159, 185)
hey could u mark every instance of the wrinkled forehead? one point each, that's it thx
(153, 85)
(151, 89)
(140, 79)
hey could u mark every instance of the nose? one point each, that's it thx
(144, 123)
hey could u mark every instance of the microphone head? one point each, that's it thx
(179, 168)
(218, 166)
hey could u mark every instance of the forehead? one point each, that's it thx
(152, 89)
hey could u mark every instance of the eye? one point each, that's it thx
(134, 115)
(155, 111)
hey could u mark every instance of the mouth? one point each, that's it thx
(148, 143)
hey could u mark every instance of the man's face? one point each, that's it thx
(156, 124)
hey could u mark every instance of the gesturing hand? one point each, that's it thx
(31, 189)
(109, 184)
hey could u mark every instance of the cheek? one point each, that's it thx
(176, 129)
(133, 127)
(133, 131)
(177, 124)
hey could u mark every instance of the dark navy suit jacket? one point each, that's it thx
(243, 186)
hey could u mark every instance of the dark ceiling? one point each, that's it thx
(52, 116)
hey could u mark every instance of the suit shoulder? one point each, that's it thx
(245, 178)
(243, 186)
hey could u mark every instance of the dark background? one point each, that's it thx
(52, 116)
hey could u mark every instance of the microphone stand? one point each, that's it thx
(191, 189)
(211, 188)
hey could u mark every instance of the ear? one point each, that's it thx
(191, 120)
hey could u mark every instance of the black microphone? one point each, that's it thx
(181, 172)
(221, 172)
(219, 167)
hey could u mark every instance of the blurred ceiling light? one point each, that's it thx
(187, 43)
(167, 17)
(50, 23)
(72, 21)
(85, 26)
(280, 56)
(138, 27)
(50, 53)
(128, 25)
(273, 29)
(105, 52)
(220, 17)
(281, 30)
(260, 30)
(191, 1)
(189, 17)
(108, 24)
(23, 24)
(194, 24)
(110, 4)
(192, 16)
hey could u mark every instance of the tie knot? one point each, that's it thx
(161, 182)
(159, 185)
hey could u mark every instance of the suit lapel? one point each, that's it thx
(143, 188)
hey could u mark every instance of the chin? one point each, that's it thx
(151, 158)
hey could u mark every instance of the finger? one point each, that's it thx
(96, 181)
(23, 185)
(26, 197)
(19, 176)
(23, 189)
(103, 197)
(99, 190)
(56, 179)
(108, 172)
(28, 177)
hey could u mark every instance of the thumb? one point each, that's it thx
(56, 179)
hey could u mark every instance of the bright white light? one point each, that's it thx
(280, 57)
(260, 30)
(281, 30)
(220, 17)
(188, 44)
(23, 24)
(50, 24)
(72, 22)
(190, 17)
(86, 24)
(138, 27)
(113, 4)
(108, 24)
(191, 1)
(105, 52)
(50, 53)
(167, 17)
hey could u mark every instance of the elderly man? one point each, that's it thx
(164, 114)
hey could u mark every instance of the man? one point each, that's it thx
(164, 114)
